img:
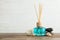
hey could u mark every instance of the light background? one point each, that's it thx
(19, 16)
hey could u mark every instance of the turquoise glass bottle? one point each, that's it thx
(41, 31)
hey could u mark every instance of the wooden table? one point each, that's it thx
(24, 36)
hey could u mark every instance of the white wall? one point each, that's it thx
(19, 15)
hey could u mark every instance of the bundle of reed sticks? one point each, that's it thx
(39, 12)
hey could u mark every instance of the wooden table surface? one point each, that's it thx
(24, 36)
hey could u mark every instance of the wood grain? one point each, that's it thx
(24, 36)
